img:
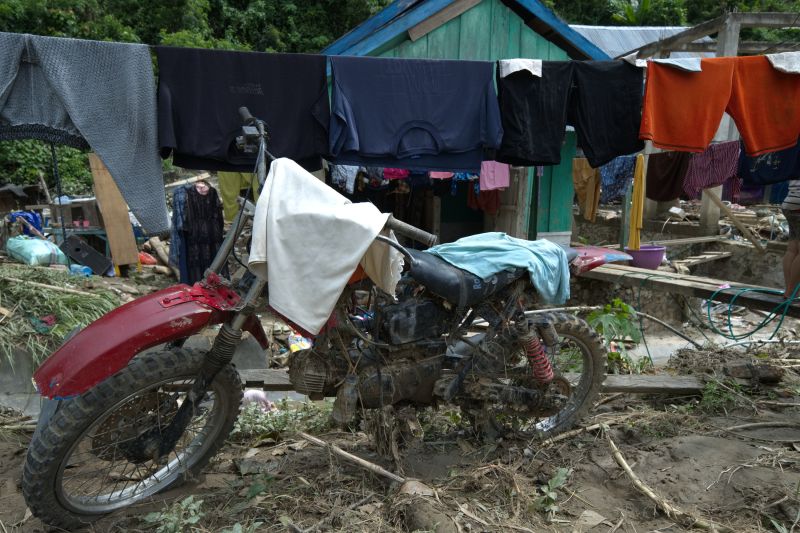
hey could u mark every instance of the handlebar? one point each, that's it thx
(247, 118)
(412, 232)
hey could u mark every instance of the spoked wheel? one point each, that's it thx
(524, 408)
(87, 461)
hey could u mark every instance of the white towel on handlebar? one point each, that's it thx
(308, 240)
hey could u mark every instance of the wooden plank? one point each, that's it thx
(278, 380)
(692, 286)
(736, 222)
(686, 36)
(679, 242)
(442, 17)
(115, 215)
(707, 257)
(267, 379)
(646, 384)
(745, 47)
(766, 20)
(514, 29)
(498, 38)
(474, 41)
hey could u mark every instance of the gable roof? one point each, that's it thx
(401, 15)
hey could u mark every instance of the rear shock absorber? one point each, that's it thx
(537, 358)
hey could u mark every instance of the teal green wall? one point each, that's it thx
(491, 31)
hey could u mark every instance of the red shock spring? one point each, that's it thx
(540, 363)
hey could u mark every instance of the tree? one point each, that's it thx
(263, 25)
(649, 12)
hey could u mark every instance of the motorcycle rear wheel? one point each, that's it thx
(581, 361)
(76, 469)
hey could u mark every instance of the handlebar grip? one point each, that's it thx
(247, 118)
(412, 232)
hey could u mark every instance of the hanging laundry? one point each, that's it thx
(88, 94)
(202, 229)
(732, 190)
(788, 62)
(637, 205)
(665, 174)
(587, 187)
(230, 186)
(711, 168)
(344, 177)
(177, 244)
(494, 175)
(772, 167)
(486, 201)
(200, 92)
(417, 114)
(440, 175)
(615, 177)
(602, 99)
(395, 173)
(463, 177)
(682, 110)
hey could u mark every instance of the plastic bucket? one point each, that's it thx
(647, 256)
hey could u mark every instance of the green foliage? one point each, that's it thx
(178, 517)
(719, 397)
(649, 12)
(255, 424)
(21, 162)
(616, 322)
(546, 503)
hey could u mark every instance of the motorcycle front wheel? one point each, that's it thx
(84, 464)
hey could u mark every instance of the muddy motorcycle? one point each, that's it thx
(129, 413)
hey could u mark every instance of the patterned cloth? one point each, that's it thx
(711, 168)
(615, 177)
(203, 231)
(344, 177)
(177, 245)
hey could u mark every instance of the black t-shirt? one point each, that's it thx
(200, 92)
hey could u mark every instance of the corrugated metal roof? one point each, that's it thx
(617, 40)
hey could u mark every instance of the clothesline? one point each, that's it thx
(415, 114)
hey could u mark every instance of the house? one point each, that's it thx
(534, 206)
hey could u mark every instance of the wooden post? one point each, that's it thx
(115, 215)
(727, 45)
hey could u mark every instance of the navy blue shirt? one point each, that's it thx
(773, 167)
(417, 114)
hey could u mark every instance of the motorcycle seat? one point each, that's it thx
(457, 286)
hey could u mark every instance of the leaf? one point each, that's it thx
(588, 519)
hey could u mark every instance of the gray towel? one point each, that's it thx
(88, 94)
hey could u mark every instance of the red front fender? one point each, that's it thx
(106, 345)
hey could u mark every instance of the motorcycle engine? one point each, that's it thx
(412, 320)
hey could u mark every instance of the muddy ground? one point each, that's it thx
(687, 450)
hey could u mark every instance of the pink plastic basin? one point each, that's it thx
(647, 256)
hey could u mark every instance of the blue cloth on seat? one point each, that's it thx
(486, 254)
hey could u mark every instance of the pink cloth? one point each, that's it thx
(441, 175)
(494, 175)
(395, 173)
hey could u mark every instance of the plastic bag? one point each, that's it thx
(33, 251)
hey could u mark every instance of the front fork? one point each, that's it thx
(221, 354)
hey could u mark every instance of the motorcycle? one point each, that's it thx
(128, 412)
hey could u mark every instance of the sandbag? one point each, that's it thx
(33, 251)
